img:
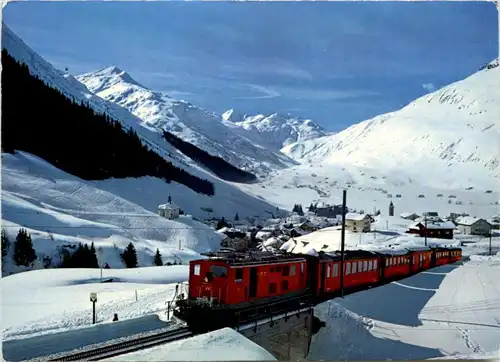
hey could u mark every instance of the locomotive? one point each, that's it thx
(229, 288)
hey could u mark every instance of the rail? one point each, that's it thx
(127, 346)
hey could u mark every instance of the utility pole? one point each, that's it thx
(490, 253)
(342, 244)
(425, 231)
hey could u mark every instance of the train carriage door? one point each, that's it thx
(433, 259)
(252, 292)
(323, 275)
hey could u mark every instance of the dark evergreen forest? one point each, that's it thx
(41, 120)
(216, 164)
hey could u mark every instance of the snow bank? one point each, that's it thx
(222, 345)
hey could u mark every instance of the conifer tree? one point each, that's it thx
(93, 261)
(158, 259)
(5, 244)
(24, 254)
(129, 256)
(236, 217)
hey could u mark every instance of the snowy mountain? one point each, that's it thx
(60, 209)
(197, 126)
(457, 125)
(440, 152)
(274, 131)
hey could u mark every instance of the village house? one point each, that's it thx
(433, 229)
(234, 238)
(169, 210)
(473, 226)
(358, 222)
(409, 216)
(455, 215)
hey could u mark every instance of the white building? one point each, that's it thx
(358, 222)
(473, 226)
(169, 210)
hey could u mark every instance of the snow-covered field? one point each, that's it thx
(222, 345)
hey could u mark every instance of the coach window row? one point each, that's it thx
(352, 268)
(398, 260)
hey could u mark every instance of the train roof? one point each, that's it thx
(232, 257)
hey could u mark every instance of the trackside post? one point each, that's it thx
(93, 299)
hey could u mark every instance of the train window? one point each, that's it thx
(374, 264)
(365, 265)
(272, 270)
(328, 271)
(239, 274)
(272, 288)
(335, 270)
(354, 265)
(302, 268)
(360, 266)
(218, 271)
(286, 271)
(284, 285)
(348, 268)
(292, 270)
(370, 265)
(278, 269)
(197, 269)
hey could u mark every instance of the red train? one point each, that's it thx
(229, 288)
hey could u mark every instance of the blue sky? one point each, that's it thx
(337, 63)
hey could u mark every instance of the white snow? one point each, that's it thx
(222, 345)
(53, 300)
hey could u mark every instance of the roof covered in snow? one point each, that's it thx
(355, 216)
(168, 206)
(468, 220)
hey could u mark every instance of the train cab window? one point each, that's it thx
(348, 268)
(292, 270)
(272, 288)
(360, 266)
(239, 274)
(370, 265)
(197, 269)
(286, 271)
(354, 264)
(374, 264)
(335, 270)
(301, 268)
(278, 269)
(272, 270)
(284, 285)
(328, 271)
(218, 271)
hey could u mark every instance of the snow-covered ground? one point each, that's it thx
(60, 209)
(451, 311)
(222, 345)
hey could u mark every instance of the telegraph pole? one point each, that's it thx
(342, 243)
(490, 253)
(425, 231)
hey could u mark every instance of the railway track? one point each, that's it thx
(132, 345)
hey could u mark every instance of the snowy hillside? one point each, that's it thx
(73, 89)
(158, 112)
(454, 126)
(274, 131)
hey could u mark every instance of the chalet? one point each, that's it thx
(358, 222)
(409, 216)
(433, 229)
(454, 215)
(473, 226)
(233, 238)
(169, 210)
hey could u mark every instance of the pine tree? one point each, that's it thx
(24, 254)
(236, 217)
(129, 256)
(158, 260)
(5, 244)
(222, 223)
(93, 262)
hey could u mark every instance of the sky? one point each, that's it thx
(337, 63)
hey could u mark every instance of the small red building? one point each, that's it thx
(440, 230)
